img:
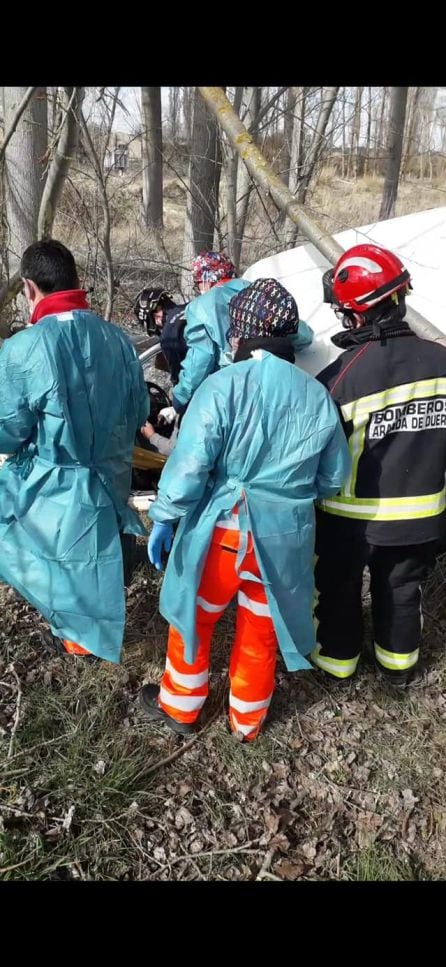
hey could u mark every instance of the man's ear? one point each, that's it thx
(30, 290)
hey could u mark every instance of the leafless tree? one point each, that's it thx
(24, 161)
(97, 158)
(65, 142)
(395, 148)
(204, 180)
(152, 157)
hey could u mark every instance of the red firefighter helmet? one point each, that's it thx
(363, 276)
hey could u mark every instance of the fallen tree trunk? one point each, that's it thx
(266, 177)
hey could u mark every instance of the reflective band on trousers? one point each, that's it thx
(186, 681)
(208, 606)
(231, 524)
(386, 508)
(185, 703)
(394, 661)
(256, 607)
(240, 727)
(242, 706)
(341, 668)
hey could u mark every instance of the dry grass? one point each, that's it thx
(343, 784)
(342, 204)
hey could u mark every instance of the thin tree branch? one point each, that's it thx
(105, 241)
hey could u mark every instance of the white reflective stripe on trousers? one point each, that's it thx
(231, 524)
(242, 706)
(256, 607)
(186, 681)
(184, 703)
(241, 727)
(212, 608)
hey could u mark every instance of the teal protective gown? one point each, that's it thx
(266, 436)
(72, 396)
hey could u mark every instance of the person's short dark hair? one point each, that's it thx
(50, 265)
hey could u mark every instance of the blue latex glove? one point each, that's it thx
(160, 539)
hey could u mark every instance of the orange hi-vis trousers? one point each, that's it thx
(184, 688)
(73, 648)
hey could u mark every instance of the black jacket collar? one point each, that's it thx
(348, 338)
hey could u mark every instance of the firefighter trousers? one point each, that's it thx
(396, 574)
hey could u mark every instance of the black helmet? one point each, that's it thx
(147, 302)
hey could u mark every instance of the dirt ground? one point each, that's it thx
(346, 783)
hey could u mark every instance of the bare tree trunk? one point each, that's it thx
(23, 180)
(395, 148)
(288, 134)
(52, 111)
(230, 167)
(344, 138)
(266, 105)
(252, 99)
(412, 126)
(97, 160)
(187, 111)
(64, 153)
(356, 130)
(274, 124)
(152, 157)
(297, 149)
(174, 110)
(297, 136)
(380, 135)
(13, 122)
(327, 104)
(287, 152)
(231, 200)
(369, 133)
(308, 166)
(301, 138)
(25, 156)
(204, 180)
(352, 146)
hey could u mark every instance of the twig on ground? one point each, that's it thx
(264, 872)
(40, 745)
(6, 869)
(186, 858)
(178, 752)
(17, 711)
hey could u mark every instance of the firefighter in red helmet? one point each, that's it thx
(390, 389)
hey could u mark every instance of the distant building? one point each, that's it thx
(125, 154)
(117, 158)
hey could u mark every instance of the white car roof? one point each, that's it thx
(419, 239)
